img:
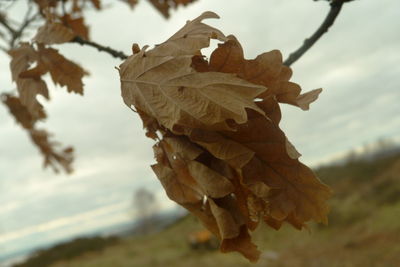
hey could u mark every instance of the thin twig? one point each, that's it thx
(336, 6)
(107, 49)
(17, 33)
(4, 22)
(27, 21)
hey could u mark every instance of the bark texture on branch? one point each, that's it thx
(334, 11)
(107, 49)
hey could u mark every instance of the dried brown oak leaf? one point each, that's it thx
(18, 110)
(177, 156)
(52, 157)
(43, 4)
(266, 69)
(131, 3)
(77, 25)
(162, 83)
(28, 88)
(62, 29)
(62, 71)
(221, 153)
(96, 3)
(79, 5)
(54, 33)
(183, 171)
(164, 6)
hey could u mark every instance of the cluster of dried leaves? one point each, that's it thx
(72, 11)
(162, 6)
(30, 62)
(63, 22)
(220, 151)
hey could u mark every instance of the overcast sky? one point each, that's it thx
(356, 63)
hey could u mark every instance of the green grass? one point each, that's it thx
(364, 230)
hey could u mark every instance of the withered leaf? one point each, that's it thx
(177, 155)
(167, 88)
(203, 212)
(150, 124)
(174, 176)
(52, 157)
(19, 111)
(131, 3)
(176, 190)
(63, 71)
(304, 100)
(212, 183)
(54, 33)
(77, 25)
(164, 6)
(266, 69)
(242, 243)
(291, 150)
(43, 4)
(194, 36)
(222, 148)
(96, 3)
(28, 88)
(79, 5)
(228, 217)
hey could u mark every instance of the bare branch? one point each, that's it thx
(27, 21)
(107, 49)
(336, 6)
(14, 32)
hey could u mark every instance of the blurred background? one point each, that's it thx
(114, 204)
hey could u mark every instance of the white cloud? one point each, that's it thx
(72, 220)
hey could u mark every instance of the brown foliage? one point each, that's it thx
(54, 33)
(62, 22)
(18, 110)
(220, 152)
(29, 63)
(52, 157)
(163, 6)
(26, 108)
(28, 87)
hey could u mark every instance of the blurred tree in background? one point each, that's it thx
(146, 207)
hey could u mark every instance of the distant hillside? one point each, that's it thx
(364, 230)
